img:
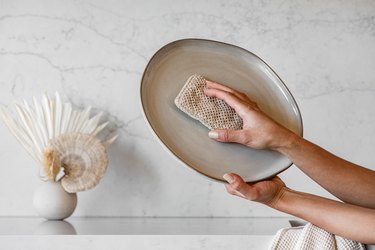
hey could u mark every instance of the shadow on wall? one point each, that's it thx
(128, 178)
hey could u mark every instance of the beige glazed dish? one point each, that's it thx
(186, 138)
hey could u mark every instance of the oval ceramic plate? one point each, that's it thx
(186, 138)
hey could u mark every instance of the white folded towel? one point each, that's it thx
(311, 237)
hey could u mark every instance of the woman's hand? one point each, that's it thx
(259, 131)
(267, 192)
(349, 182)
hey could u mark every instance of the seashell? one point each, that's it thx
(83, 158)
(51, 163)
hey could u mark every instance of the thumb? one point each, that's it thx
(226, 135)
(238, 185)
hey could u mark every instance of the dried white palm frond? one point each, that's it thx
(35, 125)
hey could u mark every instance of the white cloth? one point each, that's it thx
(311, 237)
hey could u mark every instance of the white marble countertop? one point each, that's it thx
(136, 242)
(139, 233)
(141, 226)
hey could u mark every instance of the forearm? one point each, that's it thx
(349, 182)
(349, 221)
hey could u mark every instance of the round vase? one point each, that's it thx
(52, 202)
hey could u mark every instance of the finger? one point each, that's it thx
(232, 100)
(215, 85)
(233, 192)
(239, 185)
(226, 135)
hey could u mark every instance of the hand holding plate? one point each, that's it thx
(267, 192)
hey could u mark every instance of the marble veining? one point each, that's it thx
(94, 52)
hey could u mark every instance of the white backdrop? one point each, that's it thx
(94, 52)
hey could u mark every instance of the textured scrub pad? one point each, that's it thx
(210, 111)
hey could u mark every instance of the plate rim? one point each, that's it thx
(169, 150)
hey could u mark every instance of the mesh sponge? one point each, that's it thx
(210, 111)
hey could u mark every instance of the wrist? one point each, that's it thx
(286, 141)
(278, 199)
(275, 202)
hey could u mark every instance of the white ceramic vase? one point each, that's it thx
(52, 202)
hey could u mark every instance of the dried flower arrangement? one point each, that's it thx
(62, 140)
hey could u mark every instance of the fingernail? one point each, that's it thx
(213, 134)
(228, 178)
